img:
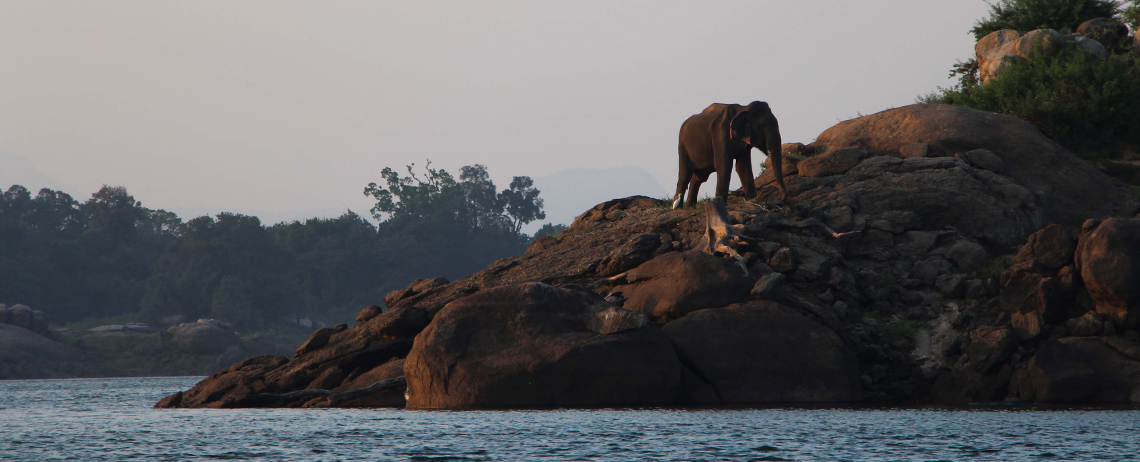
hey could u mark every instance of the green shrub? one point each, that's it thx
(1087, 104)
(904, 328)
(549, 229)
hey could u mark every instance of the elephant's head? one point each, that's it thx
(758, 128)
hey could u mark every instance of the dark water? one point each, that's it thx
(111, 419)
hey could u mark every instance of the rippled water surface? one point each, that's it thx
(112, 419)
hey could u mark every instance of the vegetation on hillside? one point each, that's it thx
(1090, 105)
(111, 258)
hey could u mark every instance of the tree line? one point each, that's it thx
(111, 257)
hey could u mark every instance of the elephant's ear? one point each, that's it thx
(738, 128)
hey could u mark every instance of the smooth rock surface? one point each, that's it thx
(530, 345)
(763, 352)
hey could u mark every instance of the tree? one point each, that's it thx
(112, 211)
(484, 205)
(522, 202)
(432, 225)
(232, 302)
(1025, 15)
(1130, 14)
(56, 212)
(471, 202)
(435, 196)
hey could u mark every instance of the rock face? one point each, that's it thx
(1109, 263)
(533, 345)
(914, 260)
(763, 352)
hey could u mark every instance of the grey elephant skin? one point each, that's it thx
(721, 134)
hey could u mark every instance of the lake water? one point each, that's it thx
(112, 419)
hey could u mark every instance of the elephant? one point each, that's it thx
(723, 133)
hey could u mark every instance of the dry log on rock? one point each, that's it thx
(721, 237)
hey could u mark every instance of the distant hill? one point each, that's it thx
(570, 192)
(18, 170)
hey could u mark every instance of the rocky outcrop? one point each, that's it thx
(1040, 182)
(25, 317)
(533, 344)
(344, 360)
(914, 260)
(998, 50)
(1070, 299)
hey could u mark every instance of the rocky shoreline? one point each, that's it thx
(926, 254)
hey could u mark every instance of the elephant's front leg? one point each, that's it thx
(723, 179)
(744, 171)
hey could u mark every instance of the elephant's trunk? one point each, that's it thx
(772, 136)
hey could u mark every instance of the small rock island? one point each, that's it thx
(925, 254)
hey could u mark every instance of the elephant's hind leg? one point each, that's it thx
(694, 187)
(684, 174)
(723, 179)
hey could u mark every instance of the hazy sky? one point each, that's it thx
(288, 109)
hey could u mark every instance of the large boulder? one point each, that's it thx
(1108, 258)
(1041, 183)
(536, 345)
(19, 345)
(830, 163)
(1026, 291)
(1080, 369)
(677, 283)
(205, 337)
(998, 50)
(1109, 32)
(634, 252)
(763, 352)
(993, 49)
(1051, 247)
(24, 316)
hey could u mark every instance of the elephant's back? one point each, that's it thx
(704, 122)
(718, 108)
